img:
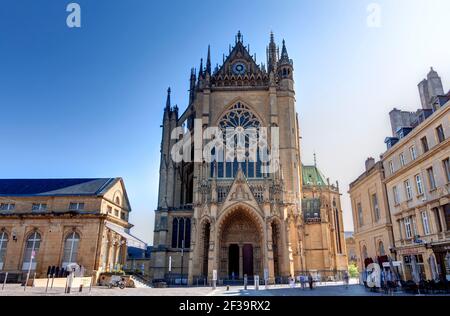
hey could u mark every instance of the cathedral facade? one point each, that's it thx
(231, 217)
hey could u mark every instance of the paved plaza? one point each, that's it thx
(329, 289)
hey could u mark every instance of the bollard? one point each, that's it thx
(92, 281)
(66, 288)
(81, 288)
(245, 281)
(26, 282)
(48, 280)
(34, 278)
(4, 281)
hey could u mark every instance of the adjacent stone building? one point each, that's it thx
(57, 222)
(232, 218)
(417, 181)
(412, 183)
(323, 227)
(371, 217)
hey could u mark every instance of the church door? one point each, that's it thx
(248, 259)
(233, 261)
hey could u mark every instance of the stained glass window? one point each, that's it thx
(243, 122)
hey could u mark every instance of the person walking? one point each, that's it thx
(311, 281)
(346, 279)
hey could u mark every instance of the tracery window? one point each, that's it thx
(181, 232)
(240, 119)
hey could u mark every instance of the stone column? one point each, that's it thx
(269, 253)
(241, 261)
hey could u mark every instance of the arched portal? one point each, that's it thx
(241, 244)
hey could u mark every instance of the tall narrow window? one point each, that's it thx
(431, 179)
(381, 250)
(31, 251)
(408, 190)
(402, 159)
(440, 134)
(3, 246)
(408, 230)
(425, 223)
(419, 185)
(396, 196)
(181, 230)
(424, 143)
(391, 167)
(376, 208)
(437, 219)
(360, 215)
(71, 249)
(175, 233)
(364, 253)
(338, 231)
(446, 166)
(413, 152)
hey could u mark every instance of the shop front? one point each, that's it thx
(416, 263)
(442, 257)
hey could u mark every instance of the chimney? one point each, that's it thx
(370, 162)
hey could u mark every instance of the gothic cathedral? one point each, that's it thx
(235, 218)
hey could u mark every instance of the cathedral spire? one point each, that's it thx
(208, 61)
(284, 53)
(200, 72)
(272, 54)
(168, 99)
(193, 79)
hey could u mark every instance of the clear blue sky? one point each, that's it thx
(88, 102)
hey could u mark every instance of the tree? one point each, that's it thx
(353, 271)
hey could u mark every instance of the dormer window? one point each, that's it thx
(7, 207)
(39, 207)
(77, 206)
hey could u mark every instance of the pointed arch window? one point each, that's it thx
(32, 246)
(3, 246)
(181, 232)
(71, 245)
(243, 122)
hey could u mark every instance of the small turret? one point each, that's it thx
(285, 65)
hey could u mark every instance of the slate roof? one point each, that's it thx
(49, 187)
(312, 176)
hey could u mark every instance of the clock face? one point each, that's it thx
(239, 68)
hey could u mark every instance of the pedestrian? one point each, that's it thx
(303, 281)
(346, 279)
(311, 281)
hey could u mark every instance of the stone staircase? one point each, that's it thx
(140, 282)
